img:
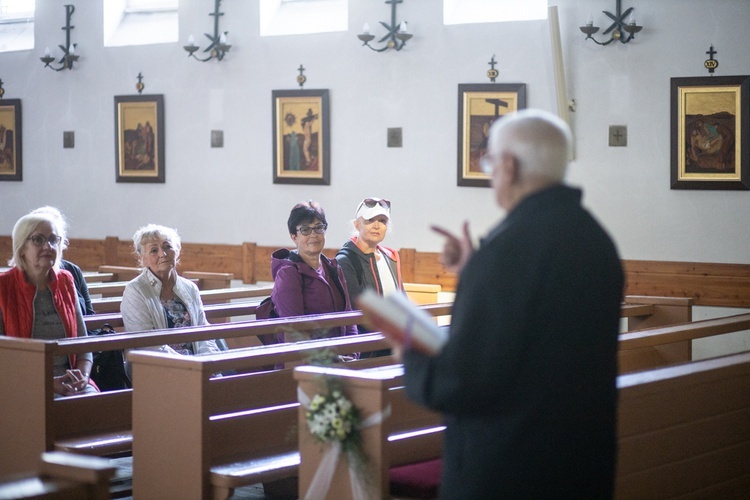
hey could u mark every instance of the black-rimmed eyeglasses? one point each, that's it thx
(39, 240)
(307, 230)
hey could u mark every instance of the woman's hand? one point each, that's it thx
(72, 383)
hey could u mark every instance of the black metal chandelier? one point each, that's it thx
(69, 56)
(218, 47)
(619, 30)
(397, 34)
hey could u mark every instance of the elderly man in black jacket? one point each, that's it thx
(527, 379)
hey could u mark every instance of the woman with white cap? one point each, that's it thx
(366, 263)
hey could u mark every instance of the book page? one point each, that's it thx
(402, 321)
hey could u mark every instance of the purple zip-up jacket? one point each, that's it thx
(299, 290)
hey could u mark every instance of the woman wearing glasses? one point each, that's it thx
(305, 280)
(38, 300)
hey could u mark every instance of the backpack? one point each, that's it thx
(266, 310)
(108, 370)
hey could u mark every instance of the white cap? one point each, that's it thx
(377, 209)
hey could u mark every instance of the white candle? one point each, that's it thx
(557, 61)
(403, 28)
(223, 38)
(590, 21)
(46, 51)
(191, 40)
(72, 49)
(366, 29)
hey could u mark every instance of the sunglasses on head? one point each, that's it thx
(371, 202)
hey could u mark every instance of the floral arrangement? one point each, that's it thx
(332, 417)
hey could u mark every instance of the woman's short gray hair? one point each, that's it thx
(156, 232)
(26, 225)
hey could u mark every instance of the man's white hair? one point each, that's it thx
(540, 142)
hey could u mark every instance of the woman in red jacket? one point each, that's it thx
(38, 299)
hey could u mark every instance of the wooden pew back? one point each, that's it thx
(682, 430)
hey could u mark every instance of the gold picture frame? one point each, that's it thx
(301, 137)
(139, 138)
(479, 105)
(710, 133)
(11, 158)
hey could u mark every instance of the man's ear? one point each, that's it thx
(510, 166)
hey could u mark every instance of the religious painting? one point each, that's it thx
(10, 140)
(710, 133)
(139, 138)
(301, 143)
(479, 105)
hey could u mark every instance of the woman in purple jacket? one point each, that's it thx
(305, 280)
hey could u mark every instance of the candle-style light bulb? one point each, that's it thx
(46, 51)
(590, 21)
(632, 20)
(223, 39)
(403, 28)
(72, 49)
(366, 29)
(191, 40)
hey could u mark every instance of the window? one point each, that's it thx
(299, 17)
(492, 11)
(140, 22)
(16, 25)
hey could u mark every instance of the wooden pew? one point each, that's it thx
(30, 426)
(215, 313)
(31, 360)
(205, 280)
(409, 434)
(212, 296)
(236, 431)
(63, 476)
(670, 345)
(683, 431)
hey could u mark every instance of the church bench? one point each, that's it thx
(215, 313)
(683, 431)
(237, 431)
(91, 277)
(212, 296)
(27, 427)
(409, 434)
(63, 476)
(671, 344)
(204, 280)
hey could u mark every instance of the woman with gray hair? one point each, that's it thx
(159, 298)
(38, 300)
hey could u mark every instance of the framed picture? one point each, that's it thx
(139, 138)
(479, 105)
(301, 141)
(710, 132)
(11, 164)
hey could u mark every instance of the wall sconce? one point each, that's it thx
(69, 55)
(396, 32)
(616, 28)
(218, 47)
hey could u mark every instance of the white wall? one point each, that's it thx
(227, 195)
